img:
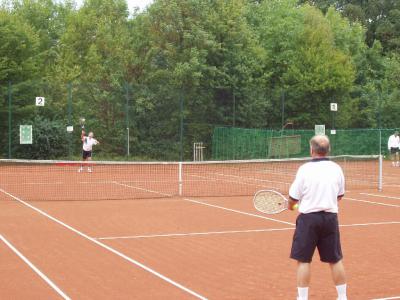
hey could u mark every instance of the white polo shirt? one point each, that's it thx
(317, 186)
(393, 142)
(88, 143)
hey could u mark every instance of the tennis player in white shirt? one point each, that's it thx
(317, 188)
(393, 147)
(87, 147)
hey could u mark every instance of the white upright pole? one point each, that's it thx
(127, 132)
(180, 180)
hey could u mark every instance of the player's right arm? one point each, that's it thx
(292, 202)
(83, 135)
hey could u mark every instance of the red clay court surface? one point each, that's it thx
(171, 247)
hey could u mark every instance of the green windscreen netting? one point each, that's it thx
(229, 143)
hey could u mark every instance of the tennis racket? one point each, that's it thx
(82, 122)
(270, 202)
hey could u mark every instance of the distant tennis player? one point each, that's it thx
(393, 147)
(87, 147)
(318, 186)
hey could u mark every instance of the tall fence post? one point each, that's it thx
(127, 118)
(181, 128)
(234, 109)
(69, 87)
(283, 108)
(9, 118)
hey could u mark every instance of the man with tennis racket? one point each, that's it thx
(87, 147)
(317, 188)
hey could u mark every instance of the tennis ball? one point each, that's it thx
(296, 206)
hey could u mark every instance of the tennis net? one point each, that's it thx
(65, 181)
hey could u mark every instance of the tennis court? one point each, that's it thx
(183, 231)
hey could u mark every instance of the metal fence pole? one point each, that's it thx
(127, 118)
(181, 129)
(69, 87)
(282, 108)
(9, 118)
(234, 110)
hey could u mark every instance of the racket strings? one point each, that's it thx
(270, 203)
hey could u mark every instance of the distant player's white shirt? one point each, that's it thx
(393, 142)
(88, 143)
(317, 186)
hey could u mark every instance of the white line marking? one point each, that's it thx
(239, 179)
(369, 224)
(194, 233)
(35, 269)
(211, 205)
(227, 232)
(390, 298)
(140, 265)
(238, 211)
(371, 202)
(381, 196)
(142, 189)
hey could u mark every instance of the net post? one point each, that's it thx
(180, 183)
(380, 179)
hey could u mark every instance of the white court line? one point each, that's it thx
(239, 179)
(211, 205)
(238, 211)
(193, 233)
(35, 269)
(381, 196)
(142, 189)
(390, 298)
(140, 265)
(391, 185)
(227, 232)
(369, 224)
(371, 202)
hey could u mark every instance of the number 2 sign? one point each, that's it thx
(39, 101)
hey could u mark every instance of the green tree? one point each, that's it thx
(308, 60)
(95, 56)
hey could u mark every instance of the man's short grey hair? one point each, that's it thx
(320, 144)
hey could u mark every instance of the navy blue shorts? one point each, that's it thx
(317, 230)
(86, 154)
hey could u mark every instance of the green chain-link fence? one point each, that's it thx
(126, 122)
(238, 143)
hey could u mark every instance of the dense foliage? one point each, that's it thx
(189, 65)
